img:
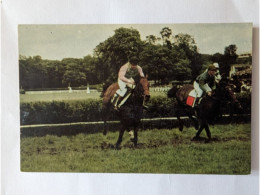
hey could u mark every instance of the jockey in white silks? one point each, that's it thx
(201, 83)
(125, 79)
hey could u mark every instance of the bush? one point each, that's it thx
(60, 112)
(90, 110)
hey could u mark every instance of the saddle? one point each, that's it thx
(125, 97)
(187, 94)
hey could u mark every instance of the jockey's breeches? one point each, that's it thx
(199, 90)
(122, 88)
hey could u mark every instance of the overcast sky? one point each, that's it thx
(56, 42)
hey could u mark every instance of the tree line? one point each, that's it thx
(166, 58)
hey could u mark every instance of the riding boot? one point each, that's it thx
(197, 102)
(145, 106)
(117, 102)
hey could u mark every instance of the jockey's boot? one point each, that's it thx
(197, 102)
(145, 106)
(116, 102)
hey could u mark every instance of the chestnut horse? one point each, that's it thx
(130, 112)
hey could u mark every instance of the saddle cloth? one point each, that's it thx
(191, 98)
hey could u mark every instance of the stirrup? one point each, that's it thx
(116, 108)
(145, 107)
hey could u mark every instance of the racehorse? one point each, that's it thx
(208, 108)
(130, 112)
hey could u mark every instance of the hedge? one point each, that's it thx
(90, 110)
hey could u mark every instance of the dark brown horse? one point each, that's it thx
(181, 94)
(130, 112)
(208, 109)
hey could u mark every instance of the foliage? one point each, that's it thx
(166, 34)
(165, 58)
(115, 51)
(229, 58)
(90, 110)
(186, 43)
(60, 111)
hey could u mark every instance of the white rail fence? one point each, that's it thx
(102, 122)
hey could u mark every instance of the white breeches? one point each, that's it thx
(122, 87)
(217, 77)
(199, 90)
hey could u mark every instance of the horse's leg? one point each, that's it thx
(134, 140)
(104, 116)
(202, 126)
(130, 132)
(199, 131)
(120, 137)
(195, 121)
(177, 112)
(208, 132)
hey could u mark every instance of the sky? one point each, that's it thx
(55, 42)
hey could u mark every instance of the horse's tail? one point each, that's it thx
(172, 92)
(108, 93)
(105, 86)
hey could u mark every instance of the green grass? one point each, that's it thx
(58, 97)
(158, 151)
(69, 96)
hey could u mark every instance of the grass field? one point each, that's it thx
(158, 151)
(69, 96)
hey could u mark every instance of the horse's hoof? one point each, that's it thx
(104, 133)
(196, 138)
(118, 147)
(180, 128)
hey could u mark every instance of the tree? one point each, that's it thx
(166, 34)
(159, 62)
(187, 44)
(32, 72)
(217, 57)
(74, 78)
(151, 39)
(182, 70)
(88, 66)
(229, 58)
(115, 51)
(74, 74)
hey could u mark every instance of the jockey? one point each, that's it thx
(217, 75)
(125, 79)
(201, 83)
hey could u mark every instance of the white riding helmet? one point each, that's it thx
(216, 65)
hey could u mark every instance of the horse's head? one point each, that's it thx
(142, 87)
(225, 93)
(145, 84)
